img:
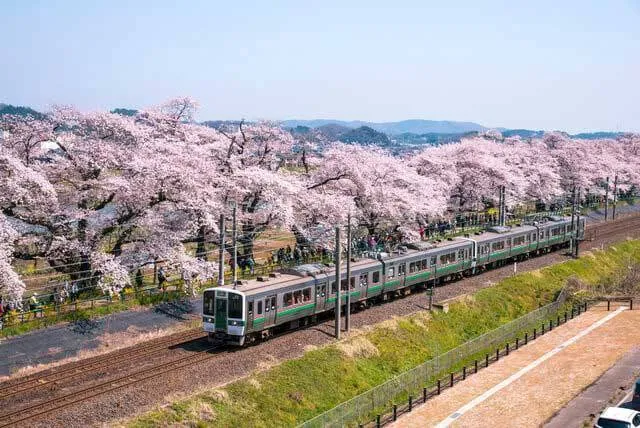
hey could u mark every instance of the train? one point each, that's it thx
(290, 298)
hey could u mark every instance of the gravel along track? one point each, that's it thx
(132, 380)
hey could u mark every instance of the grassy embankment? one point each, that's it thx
(297, 390)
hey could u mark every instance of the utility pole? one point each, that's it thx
(606, 201)
(573, 215)
(500, 206)
(615, 196)
(503, 206)
(578, 224)
(221, 252)
(338, 299)
(235, 247)
(347, 319)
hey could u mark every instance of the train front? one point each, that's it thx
(223, 315)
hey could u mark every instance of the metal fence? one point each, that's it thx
(412, 381)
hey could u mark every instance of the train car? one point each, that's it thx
(256, 309)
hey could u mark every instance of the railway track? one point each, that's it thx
(43, 408)
(130, 354)
(36, 410)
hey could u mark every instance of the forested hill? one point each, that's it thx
(386, 134)
(19, 111)
(414, 126)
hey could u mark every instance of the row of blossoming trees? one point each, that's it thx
(99, 194)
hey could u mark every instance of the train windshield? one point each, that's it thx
(208, 303)
(235, 306)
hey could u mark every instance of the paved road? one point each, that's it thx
(611, 389)
(67, 340)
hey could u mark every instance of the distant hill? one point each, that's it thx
(124, 111)
(431, 138)
(366, 136)
(332, 131)
(414, 126)
(363, 135)
(19, 111)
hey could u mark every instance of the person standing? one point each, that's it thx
(161, 278)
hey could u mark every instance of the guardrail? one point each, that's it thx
(426, 379)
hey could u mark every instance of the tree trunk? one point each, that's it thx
(201, 249)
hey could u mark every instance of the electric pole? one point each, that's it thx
(615, 196)
(573, 215)
(578, 220)
(606, 201)
(347, 319)
(235, 247)
(221, 252)
(338, 299)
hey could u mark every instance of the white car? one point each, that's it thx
(617, 417)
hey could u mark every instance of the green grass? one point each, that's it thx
(297, 390)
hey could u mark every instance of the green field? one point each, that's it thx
(299, 389)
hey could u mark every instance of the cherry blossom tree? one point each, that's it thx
(383, 191)
(11, 286)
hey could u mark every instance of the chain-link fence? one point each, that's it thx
(412, 381)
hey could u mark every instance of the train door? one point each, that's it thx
(321, 295)
(270, 310)
(221, 310)
(250, 315)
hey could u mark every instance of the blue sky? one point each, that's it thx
(571, 65)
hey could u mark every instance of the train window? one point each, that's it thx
(208, 303)
(273, 303)
(449, 258)
(323, 290)
(250, 308)
(423, 264)
(306, 294)
(343, 284)
(412, 267)
(364, 279)
(235, 306)
(497, 245)
(518, 240)
(375, 278)
(460, 254)
(259, 309)
(533, 237)
(334, 287)
(297, 297)
(433, 260)
(402, 269)
(287, 300)
(352, 281)
(542, 234)
(391, 272)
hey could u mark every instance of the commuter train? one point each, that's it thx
(293, 297)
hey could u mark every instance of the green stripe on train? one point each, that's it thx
(295, 310)
(343, 296)
(420, 275)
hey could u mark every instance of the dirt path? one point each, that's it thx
(529, 398)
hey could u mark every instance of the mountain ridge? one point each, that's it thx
(414, 126)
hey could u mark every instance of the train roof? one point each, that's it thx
(302, 274)
(297, 275)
